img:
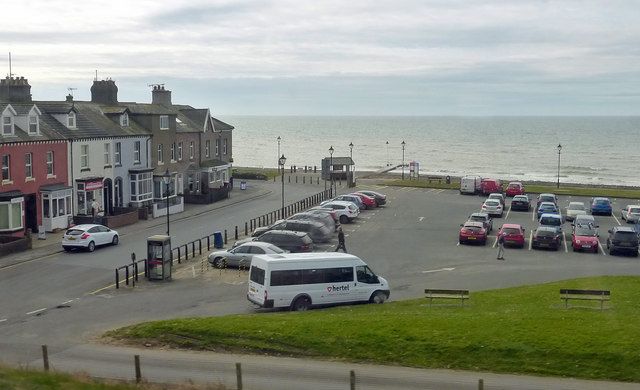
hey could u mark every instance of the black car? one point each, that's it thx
(316, 230)
(622, 239)
(380, 198)
(284, 239)
(520, 202)
(546, 237)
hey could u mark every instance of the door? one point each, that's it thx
(31, 213)
(365, 283)
(107, 197)
(118, 192)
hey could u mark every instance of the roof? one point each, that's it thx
(49, 126)
(149, 109)
(340, 160)
(323, 256)
(474, 223)
(55, 187)
(213, 163)
(220, 125)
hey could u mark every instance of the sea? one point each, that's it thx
(595, 150)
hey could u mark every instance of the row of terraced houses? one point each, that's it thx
(68, 162)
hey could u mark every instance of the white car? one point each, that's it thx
(497, 196)
(346, 211)
(88, 237)
(574, 209)
(631, 213)
(241, 255)
(493, 207)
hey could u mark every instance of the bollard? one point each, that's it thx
(135, 270)
(274, 179)
(296, 179)
(200, 246)
(126, 274)
(315, 169)
(480, 384)
(246, 231)
(352, 380)
(304, 178)
(209, 241)
(193, 248)
(289, 178)
(318, 181)
(305, 169)
(45, 357)
(117, 279)
(186, 252)
(239, 376)
(236, 235)
(136, 360)
(225, 236)
(179, 255)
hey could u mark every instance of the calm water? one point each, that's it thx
(598, 150)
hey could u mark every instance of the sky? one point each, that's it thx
(336, 57)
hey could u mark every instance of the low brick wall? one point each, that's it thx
(10, 244)
(122, 219)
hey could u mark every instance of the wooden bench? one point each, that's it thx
(446, 294)
(434, 178)
(585, 295)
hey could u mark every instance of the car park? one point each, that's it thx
(88, 237)
(585, 219)
(574, 209)
(470, 184)
(492, 207)
(380, 199)
(485, 218)
(515, 188)
(546, 208)
(241, 255)
(622, 239)
(284, 239)
(347, 198)
(499, 197)
(546, 237)
(368, 201)
(521, 203)
(512, 234)
(601, 205)
(585, 238)
(316, 230)
(323, 218)
(631, 213)
(346, 211)
(489, 185)
(472, 232)
(547, 197)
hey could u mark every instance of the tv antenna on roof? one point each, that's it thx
(156, 86)
(71, 89)
(10, 74)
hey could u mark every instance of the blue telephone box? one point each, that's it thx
(159, 261)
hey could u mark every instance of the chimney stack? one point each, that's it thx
(15, 90)
(69, 98)
(159, 95)
(104, 92)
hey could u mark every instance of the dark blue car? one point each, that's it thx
(601, 206)
(547, 208)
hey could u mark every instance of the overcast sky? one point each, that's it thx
(336, 57)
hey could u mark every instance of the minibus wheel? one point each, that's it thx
(378, 297)
(301, 304)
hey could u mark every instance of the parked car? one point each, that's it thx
(492, 207)
(488, 186)
(512, 234)
(324, 219)
(546, 197)
(546, 237)
(520, 202)
(515, 188)
(601, 206)
(379, 198)
(347, 198)
(470, 184)
(499, 197)
(631, 213)
(585, 220)
(346, 211)
(551, 220)
(368, 201)
(89, 236)
(622, 239)
(585, 237)
(241, 255)
(472, 232)
(485, 218)
(284, 239)
(574, 209)
(316, 230)
(546, 208)
(326, 211)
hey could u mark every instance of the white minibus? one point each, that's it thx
(301, 280)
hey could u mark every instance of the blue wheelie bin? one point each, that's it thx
(217, 240)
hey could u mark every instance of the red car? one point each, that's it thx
(515, 188)
(369, 202)
(488, 186)
(473, 231)
(585, 237)
(513, 234)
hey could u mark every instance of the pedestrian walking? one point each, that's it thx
(500, 247)
(341, 241)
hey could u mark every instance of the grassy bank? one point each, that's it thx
(518, 330)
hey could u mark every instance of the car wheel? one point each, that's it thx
(219, 262)
(91, 247)
(378, 297)
(301, 304)
(115, 240)
(67, 248)
(344, 219)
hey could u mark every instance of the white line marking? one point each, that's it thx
(458, 243)
(432, 190)
(508, 211)
(564, 238)
(3, 320)
(533, 214)
(601, 248)
(437, 270)
(495, 242)
(614, 217)
(530, 239)
(36, 311)
(420, 219)
(441, 191)
(69, 301)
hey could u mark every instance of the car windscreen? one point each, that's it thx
(473, 228)
(492, 203)
(545, 233)
(306, 239)
(74, 232)
(576, 207)
(547, 199)
(477, 218)
(601, 202)
(585, 231)
(511, 231)
(626, 236)
(520, 198)
(634, 210)
(550, 221)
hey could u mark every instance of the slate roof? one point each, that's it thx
(340, 160)
(48, 125)
(148, 109)
(221, 126)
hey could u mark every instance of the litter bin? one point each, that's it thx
(243, 185)
(448, 179)
(217, 240)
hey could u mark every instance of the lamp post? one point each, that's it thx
(353, 167)
(167, 179)
(351, 150)
(281, 162)
(403, 144)
(559, 150)
(387, 153)
(331, 168)
(278, 145)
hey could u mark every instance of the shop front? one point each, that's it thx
(56, 206)
(88, 195)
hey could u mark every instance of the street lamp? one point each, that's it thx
(279, 145)
(167, 179)
(281, 162)
(351, 150)
(331, 167)
(559, 149)
(403, 144)
(353, 167)
(387, 153)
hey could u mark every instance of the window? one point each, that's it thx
(34, 126)
(116, 154)
(141, 186)
(71, 119)
(10, 216)
(7, 125)
(173, 151)
(224, 146)
(136, 152)
(257, 275)
(124, 120)
(179, 151)
(50, 162)
(164, 122)
(160, 154)
(84, 156)
(191, 150)
(28, 164)
(6, 167)
(217, 147)
(107, 154)
(207, 146)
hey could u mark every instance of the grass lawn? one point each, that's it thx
(518, 330)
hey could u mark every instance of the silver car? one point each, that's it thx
(631, 213)
(323, 218)
(574, 209)
(241, 256)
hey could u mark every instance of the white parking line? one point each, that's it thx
(36, 311)
(614, 217)
(601, 248)
(495, 242)
(437, 270)
(533, 214)
(440, 191)
(69, 301)
(530, 239)
(564, 239)
(420, 219)
(508, 211)
(3, 320)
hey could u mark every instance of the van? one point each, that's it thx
(302, 280)
(488, 186)
(470, 184)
